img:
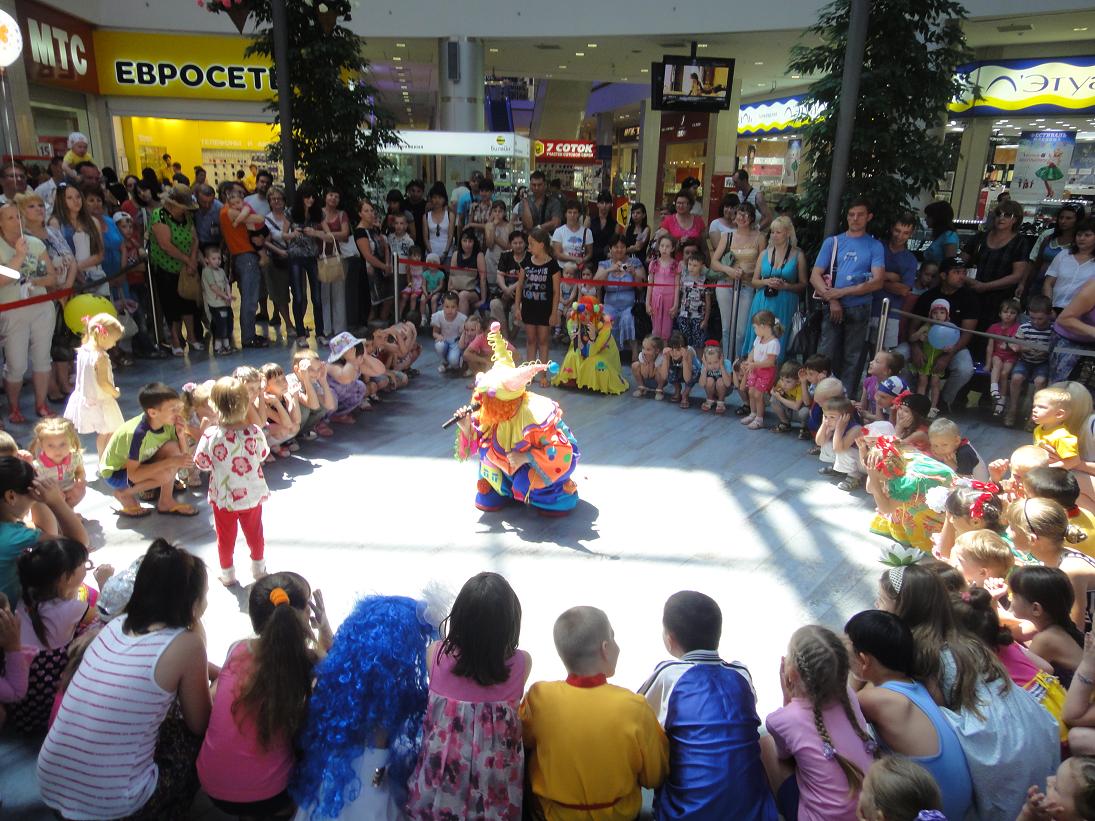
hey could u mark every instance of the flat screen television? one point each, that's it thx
(691, 83)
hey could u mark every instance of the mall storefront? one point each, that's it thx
(770, 144)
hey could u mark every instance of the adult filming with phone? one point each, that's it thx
(619, 299)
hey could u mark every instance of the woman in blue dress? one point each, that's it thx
(779, 281)
(619, 299)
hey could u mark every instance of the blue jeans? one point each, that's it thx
(248, 278)
(845, 343)
(305, 271)
(449, 351)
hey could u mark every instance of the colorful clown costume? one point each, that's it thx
(526, 452)
(593, 361)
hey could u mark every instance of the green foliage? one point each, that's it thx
(338, 130)
(912, 51)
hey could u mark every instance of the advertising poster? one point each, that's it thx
(1041, 162)
(1080, 179)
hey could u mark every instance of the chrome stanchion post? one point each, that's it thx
(732, 342)
(883, 320)
(395, 283)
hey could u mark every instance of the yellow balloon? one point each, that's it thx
(86, 305)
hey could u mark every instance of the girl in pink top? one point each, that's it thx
(472, 763)
(663, 294)
(262, 698)
(819, 730)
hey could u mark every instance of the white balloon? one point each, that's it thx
(11, 40)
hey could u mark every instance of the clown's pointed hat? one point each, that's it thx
(505, 380)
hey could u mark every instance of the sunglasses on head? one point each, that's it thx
(438, 229)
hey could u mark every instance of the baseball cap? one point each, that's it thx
(952, 263)
(892, 386)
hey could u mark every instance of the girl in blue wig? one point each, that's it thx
(361, 739)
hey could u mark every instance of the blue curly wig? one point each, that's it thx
(372, 683)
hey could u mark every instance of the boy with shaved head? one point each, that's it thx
(591, 745)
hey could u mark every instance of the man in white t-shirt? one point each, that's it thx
(573, 246)
(258, 202)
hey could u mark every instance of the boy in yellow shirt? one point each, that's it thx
(590, 745)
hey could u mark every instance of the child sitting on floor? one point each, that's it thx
(344, 377)
(58, 453)
(282, 412)
(16, 669)
(947, 446)
(967, 508)
(1044, 597)
(650, 370)
(682, 368)
(708, 709)
(816, 368)
(898, 789)
(787, 402)
(886, 364)
(840, 428)
(448, 324)
(905, 718)
(591, 745)
(309, 389)
(911, 420)
(716, 377)
(1069, 796)
(817, 749)
(885, 398)
(1024, 458)
(983, 557)
(256, 407)
(478, 354)
(1061, 486)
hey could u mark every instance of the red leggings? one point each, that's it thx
(227, 520)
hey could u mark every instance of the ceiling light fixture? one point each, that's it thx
(400, 45)
(397, 59)
(644, 71)
(796, 76)
(579, 54)
(1079, 28)
(562, 66)
(758, 62)
(591, 45)
(701, 45)
(493, 50)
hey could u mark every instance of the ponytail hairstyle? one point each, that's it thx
(821, 661)
(1043, 518)
(42, 567)
(982, 504)
(899, 789)
(975, 610)
(768, 318)
(102, 323)
(482, 629)
(1050, 588)
(275, 694)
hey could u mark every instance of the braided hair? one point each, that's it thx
(821, 660)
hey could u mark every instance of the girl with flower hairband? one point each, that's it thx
(1009, 739)
(899, 481)
(967, 506)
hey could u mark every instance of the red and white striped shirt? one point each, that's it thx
(96, 762)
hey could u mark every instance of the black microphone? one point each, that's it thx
(460, 413)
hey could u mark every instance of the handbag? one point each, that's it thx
(463, 280)
(830, 272)
(797, 338)
(330, 265)
(189, 285)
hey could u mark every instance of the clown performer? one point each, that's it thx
(593, 360)
(899, 482)
(526, 451)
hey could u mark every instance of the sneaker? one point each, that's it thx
(258, 569)
(311, 436)
(441, 369)
(228, 576)
(196, 346)
(322, 339)
(176, 351)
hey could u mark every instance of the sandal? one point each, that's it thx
(282, 453)
(324, 430)
(342, 419)
(782, 427)
(16, 417)
(803, 434)
(814, 451)
(850, 483)
(659, 395)
(179, 509)
(707, 405)
(720, 408)
(639, 393)
(828, 471)
(43, 410)
(998, 408)
(748, 420)
(684, 403)
(135, 512)
(742, 410)
(756, 424)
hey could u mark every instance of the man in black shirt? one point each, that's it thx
(509, 265)
(415, 203)
(964, 308)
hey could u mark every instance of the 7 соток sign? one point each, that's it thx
(566, 151)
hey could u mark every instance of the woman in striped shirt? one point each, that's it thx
(129, 727)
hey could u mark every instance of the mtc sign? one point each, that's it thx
(58, 48)
(575, 152)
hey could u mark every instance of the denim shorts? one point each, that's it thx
(1031, 370)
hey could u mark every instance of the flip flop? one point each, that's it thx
(136, 512)
(179, 509)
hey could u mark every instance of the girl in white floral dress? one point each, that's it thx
(471, 763)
